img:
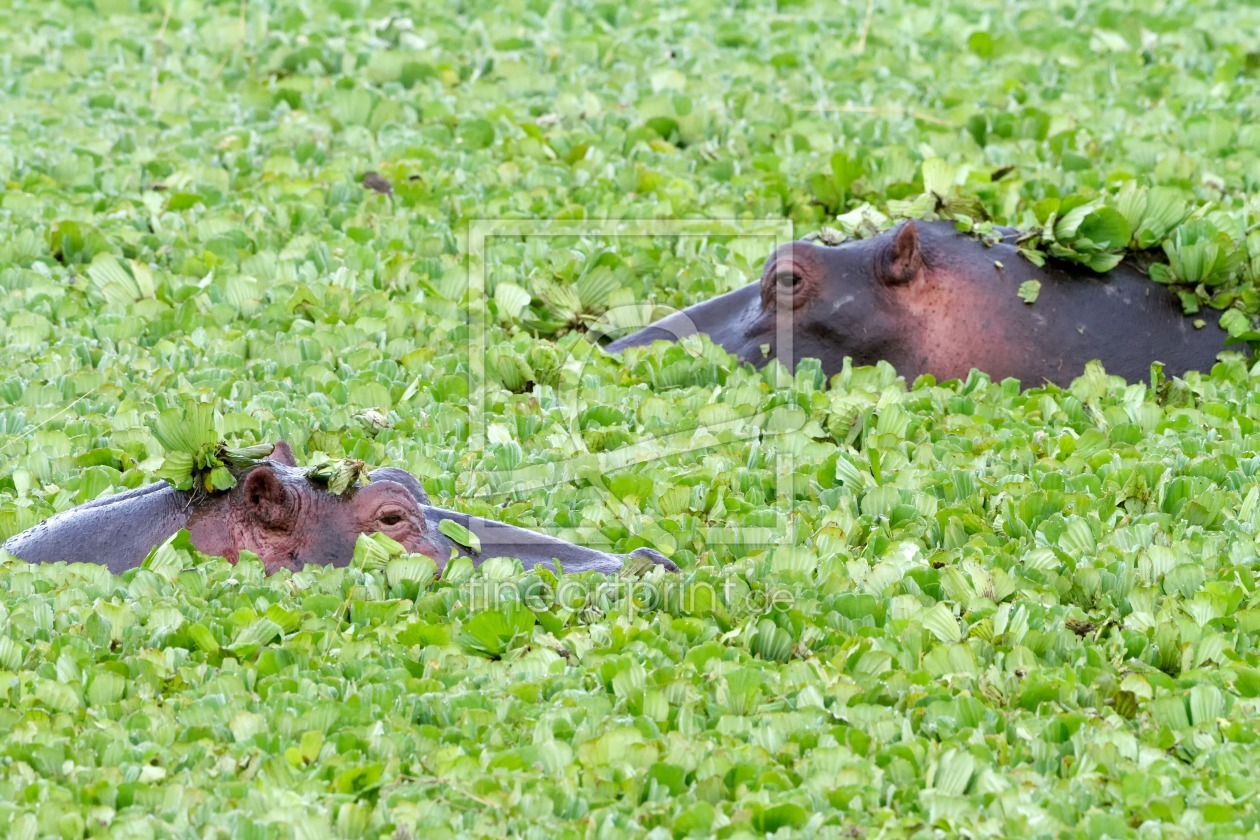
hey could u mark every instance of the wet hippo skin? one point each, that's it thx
(289, 521)
(932, 300)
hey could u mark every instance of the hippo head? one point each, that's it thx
(828, 302)
(289, 520)
(895, 297)
(923, 297)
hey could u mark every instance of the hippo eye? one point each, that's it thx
(391, 516)
(787, 280)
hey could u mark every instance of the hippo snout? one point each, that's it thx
(651, 334)
(429, 548)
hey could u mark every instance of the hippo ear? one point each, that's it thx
(282, 454)
(266, 499)
(905, 261)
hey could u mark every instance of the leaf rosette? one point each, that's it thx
(196, 456)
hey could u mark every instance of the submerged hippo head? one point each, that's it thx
(275, 510)
(930, 299)
(290, 520)
(865, 299)
(922, 297)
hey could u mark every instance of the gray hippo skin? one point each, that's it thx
(932, 300)
(289, 521)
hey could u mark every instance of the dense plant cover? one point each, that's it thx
(905, 607)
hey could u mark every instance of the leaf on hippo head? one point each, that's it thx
(1152, 213)
(1236, 323)
(219, 479)
(177, 470)
(1033, 256)
(196, 456)
(827, 236)
(1029, 290)
(246, 456)
(1198, 252)
(965, 207)
(189, 429)
(1104, 229)
(1101, 263)
(339, 476)
(1079, 229)
(863, 222)
(1072, 213)
(919, 207)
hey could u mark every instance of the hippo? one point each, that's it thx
(930, 299)
(277, 511)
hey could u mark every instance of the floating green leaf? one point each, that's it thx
(963, 608)
(460, 534)
(493, 632)
(375, 551)
(942, 624)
